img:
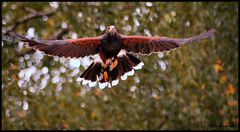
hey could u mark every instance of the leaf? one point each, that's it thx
(50, 22)
(232, 103)
(157, 97)
(78, 93)
(45, 122)
(217, 68)
(65, 126)
(235, 120)
(202, 86)
(98, 92)
(222, 111)
(14, 77)
(13, 67)
(230, 90)
(93, 115)
(226, 123)
(223, 78)
(21, 114)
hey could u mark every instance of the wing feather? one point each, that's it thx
(64, 48)
(147, 45)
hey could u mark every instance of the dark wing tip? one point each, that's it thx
(208, 34)
(204, 35)
(18, 37)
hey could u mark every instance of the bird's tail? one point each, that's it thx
(120, 68)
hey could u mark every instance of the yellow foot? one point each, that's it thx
(105, 75)
(113, 92)
(113, 65)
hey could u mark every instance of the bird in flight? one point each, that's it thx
(111, 52)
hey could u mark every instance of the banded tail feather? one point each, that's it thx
(126, 64)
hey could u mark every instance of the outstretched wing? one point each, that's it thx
(64, 48)
(148, 45)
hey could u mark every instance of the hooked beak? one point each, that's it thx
(112, 29)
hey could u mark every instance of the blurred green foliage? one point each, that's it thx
(195, 88)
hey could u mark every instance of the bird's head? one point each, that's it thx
(111, 30)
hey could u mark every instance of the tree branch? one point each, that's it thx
(59, 34)
(160, 126)
(33, 14)
(30, 10)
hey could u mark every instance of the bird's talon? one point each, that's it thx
(105, 75)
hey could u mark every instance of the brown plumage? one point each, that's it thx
(111, 51)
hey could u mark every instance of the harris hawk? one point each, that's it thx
(111, 52)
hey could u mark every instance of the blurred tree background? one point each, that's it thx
(194, 87)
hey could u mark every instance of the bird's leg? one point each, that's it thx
(113, 65)
(112, 88)
(113, 92)
(105, 74)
